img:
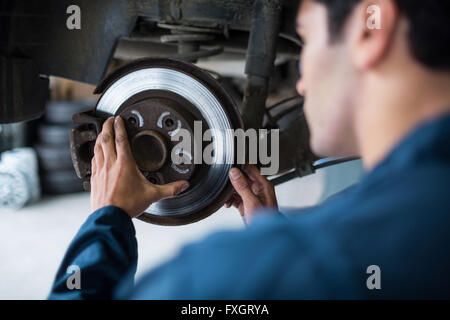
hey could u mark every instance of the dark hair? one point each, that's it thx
(429, 34)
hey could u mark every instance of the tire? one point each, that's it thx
(54, 134)
(60, 182)
(61, 112)
(54, 157)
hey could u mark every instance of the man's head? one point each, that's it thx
(346, 57)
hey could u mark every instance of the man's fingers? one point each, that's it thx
(241, 185)
(236, 203)
(107, 140)
(93, 166)
(234, 198)
(122, 146)
(261, 185)
(98, 152)
(233, 203)
(254, 174)
(229, 203)
(171, 189)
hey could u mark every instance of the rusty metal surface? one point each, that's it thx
(295, 150)
(23, 92)
(35, 32)
(261, 53)
(38, 28)
(82, 141)
(149, 105)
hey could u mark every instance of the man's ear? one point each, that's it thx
(373, 28)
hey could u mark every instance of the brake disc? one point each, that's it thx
(158, 97)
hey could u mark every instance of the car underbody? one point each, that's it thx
(191, 43)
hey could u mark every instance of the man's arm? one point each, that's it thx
(271, 259)
(105, 251)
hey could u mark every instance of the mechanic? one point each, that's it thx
(383, 94)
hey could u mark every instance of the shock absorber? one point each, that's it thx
(189, 39)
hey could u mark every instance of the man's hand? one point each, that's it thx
(254, 192)
(116, 179)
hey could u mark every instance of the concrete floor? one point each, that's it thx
(34, 239)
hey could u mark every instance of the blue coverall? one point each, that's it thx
(397, 218)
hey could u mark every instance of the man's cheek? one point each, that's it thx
(314, 79)
(312, 112)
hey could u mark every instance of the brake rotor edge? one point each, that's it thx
(227, 104)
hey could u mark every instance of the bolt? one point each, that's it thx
(132, 121)
(169, 122)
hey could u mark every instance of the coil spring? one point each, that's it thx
(188, 40)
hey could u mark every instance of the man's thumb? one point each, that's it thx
(172, 189)
(240, 184)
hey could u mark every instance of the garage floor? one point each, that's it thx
(34, 239)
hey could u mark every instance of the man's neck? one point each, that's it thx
(395, 107)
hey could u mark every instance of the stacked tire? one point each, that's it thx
(57, 174)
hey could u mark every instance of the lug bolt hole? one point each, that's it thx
(181, 155)
(132, 121)
(169, 122)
